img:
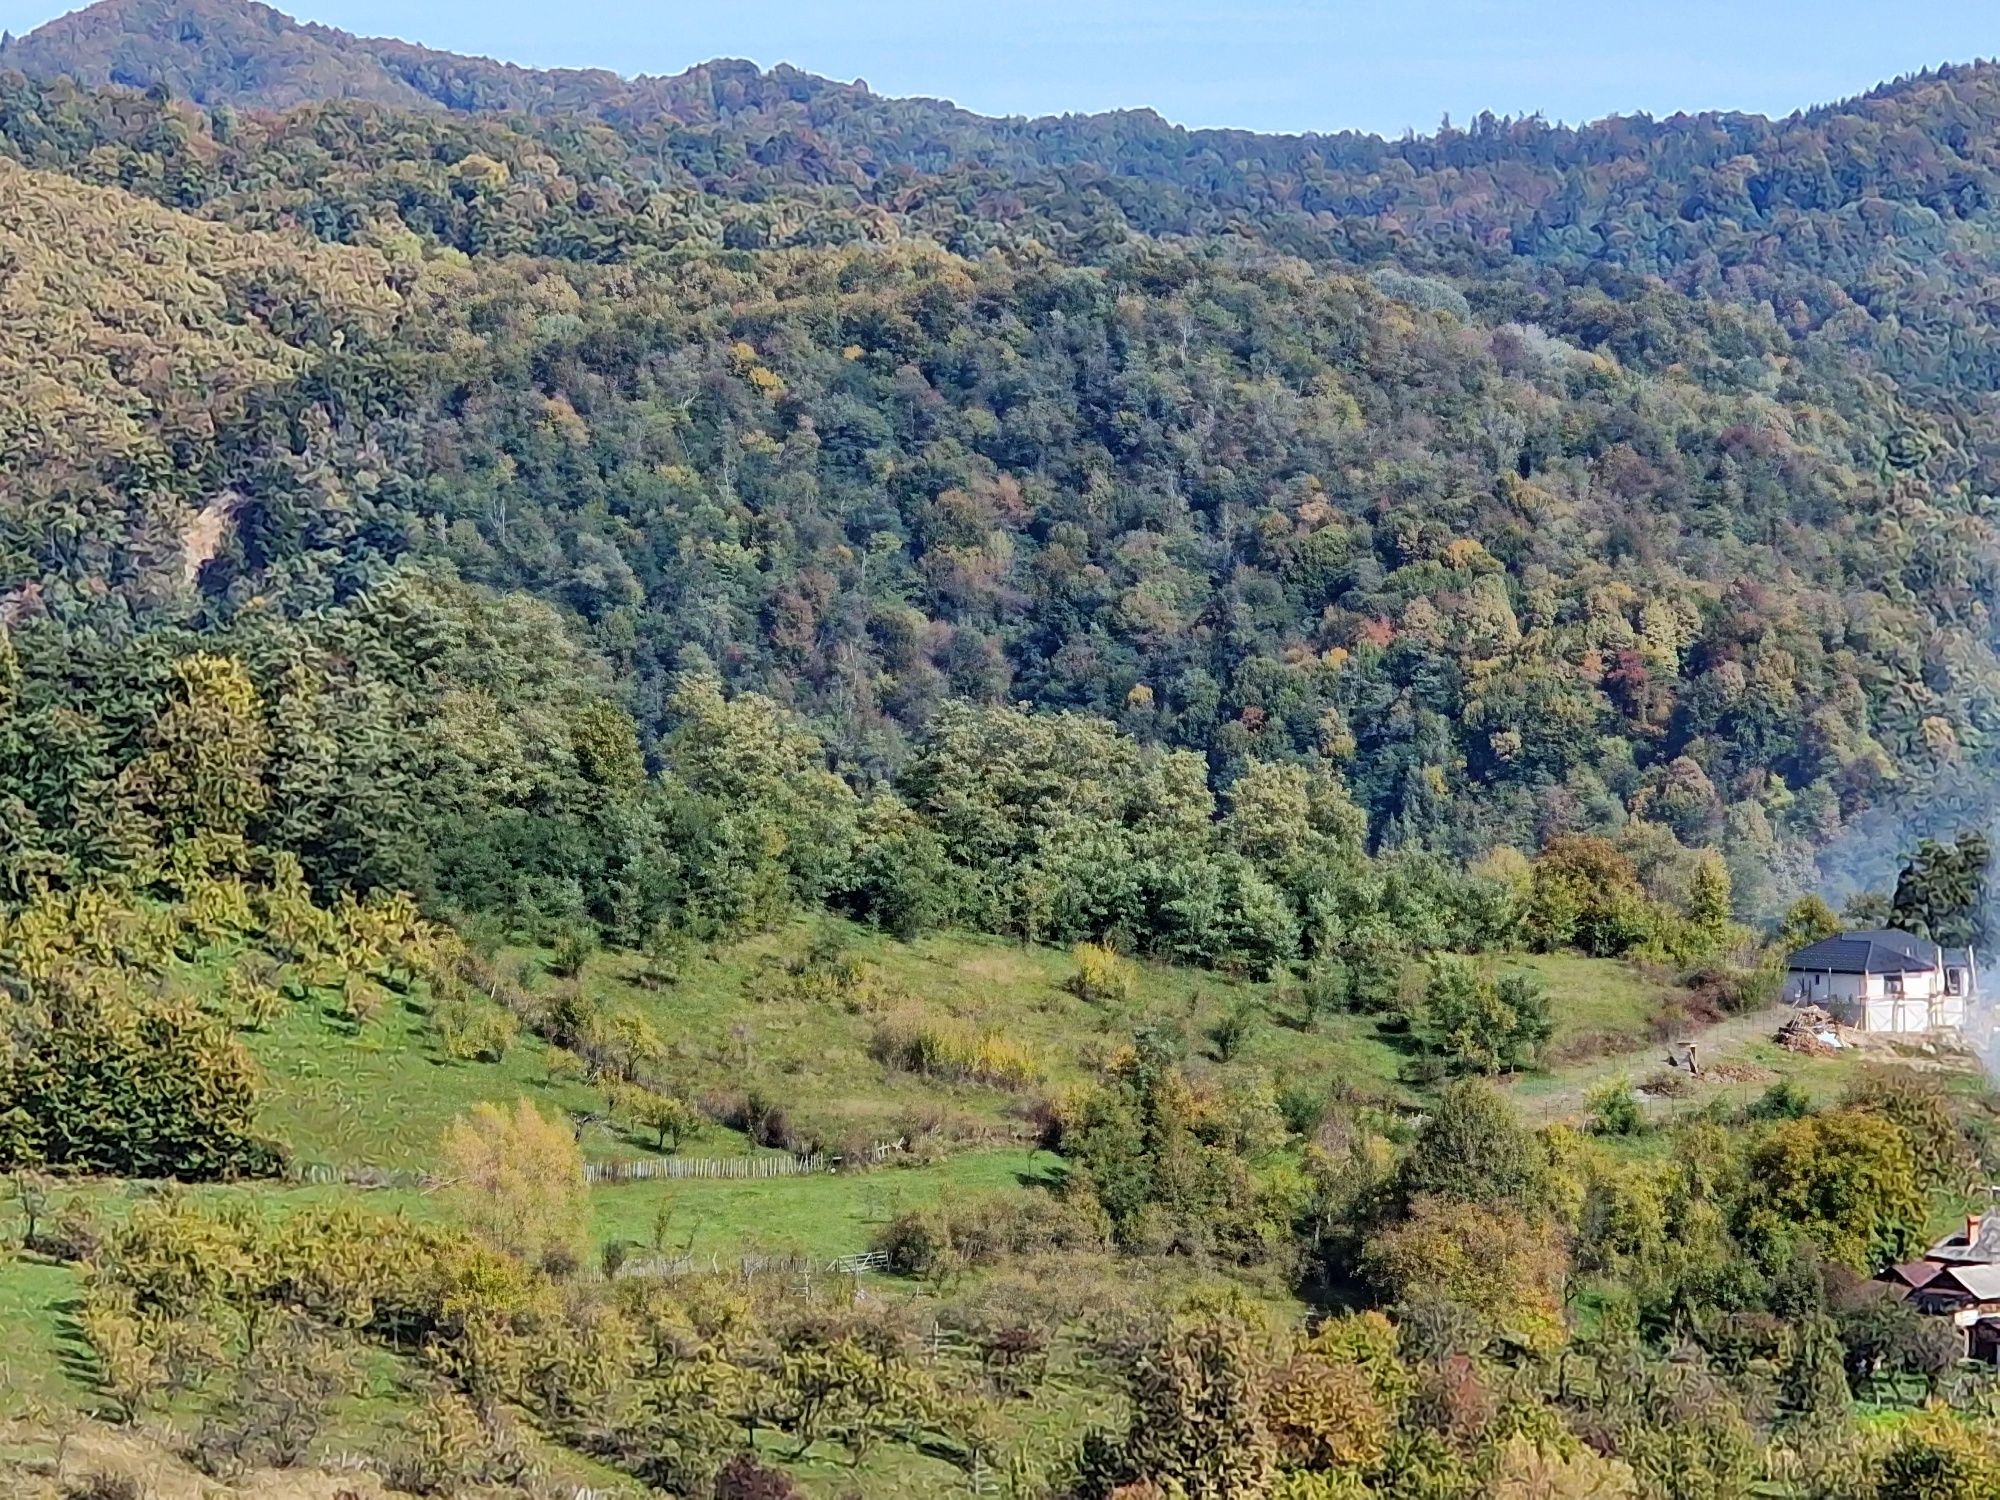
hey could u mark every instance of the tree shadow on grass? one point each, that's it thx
(76, 1358)
(1047, 1179)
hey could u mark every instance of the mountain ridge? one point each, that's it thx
(141, 43)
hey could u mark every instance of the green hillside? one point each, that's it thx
(717, 787)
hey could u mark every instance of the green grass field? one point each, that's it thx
(732, 1019)
(821, 1216)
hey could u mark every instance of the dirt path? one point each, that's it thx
(1543, 1098)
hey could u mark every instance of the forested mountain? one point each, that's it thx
(1090, 670)
(1531, 479)
(250, 55)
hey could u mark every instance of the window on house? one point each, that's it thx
(1892, 984)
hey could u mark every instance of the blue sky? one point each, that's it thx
(1371, 64)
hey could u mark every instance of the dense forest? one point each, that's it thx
(1520, 531)
(517, 556)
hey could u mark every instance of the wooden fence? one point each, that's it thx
(642, 1169)
(651, 1168)
(320, 1174)
(799, 1164)
(753, 1265)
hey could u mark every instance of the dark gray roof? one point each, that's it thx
(1895, 937)
(1884, 952)
(1983, 1249)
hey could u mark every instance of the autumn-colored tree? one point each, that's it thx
(1197, 1427)
(204, 770)
(1496, 1263)
(1846, 1179)
(519, 1177)
(1528, 1470)
(1337, 1402)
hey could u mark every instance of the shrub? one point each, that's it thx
(766, 1122)
(1668, 1083)
(743, 1478)
(105, 1485)
(447, 1448)
(1102, 976)
(1714, 993)
(1614, 1110)
(1233, 1032)
(574, 945)
(1783, 1100)
(829, 973)
(472, 1032)
(1304, 1107)
(914, 1243)
(944, 1049)
(989, 1229)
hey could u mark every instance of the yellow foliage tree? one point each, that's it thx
(519, 1180)
(204, 772)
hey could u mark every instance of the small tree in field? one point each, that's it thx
(1480, 1026)
(519, 1178)
(671, 1120)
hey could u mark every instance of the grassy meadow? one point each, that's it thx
(748, 1018)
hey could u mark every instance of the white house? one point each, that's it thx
(1884, 981)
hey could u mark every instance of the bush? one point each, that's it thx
(1614, 1110)
(987, 1230)
(743, 1478)
(1102, 976)
(1715, 993)
(944, 1049)
(1668, 1083)
(914, 1242)
(573, 948)
(447, 1449)
(105, 1485)
(763, 1119)
(1304, 1107)
(1783, 1100)
(472, 1032)
(1233, 1032)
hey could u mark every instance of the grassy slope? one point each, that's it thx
(382, 1097)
